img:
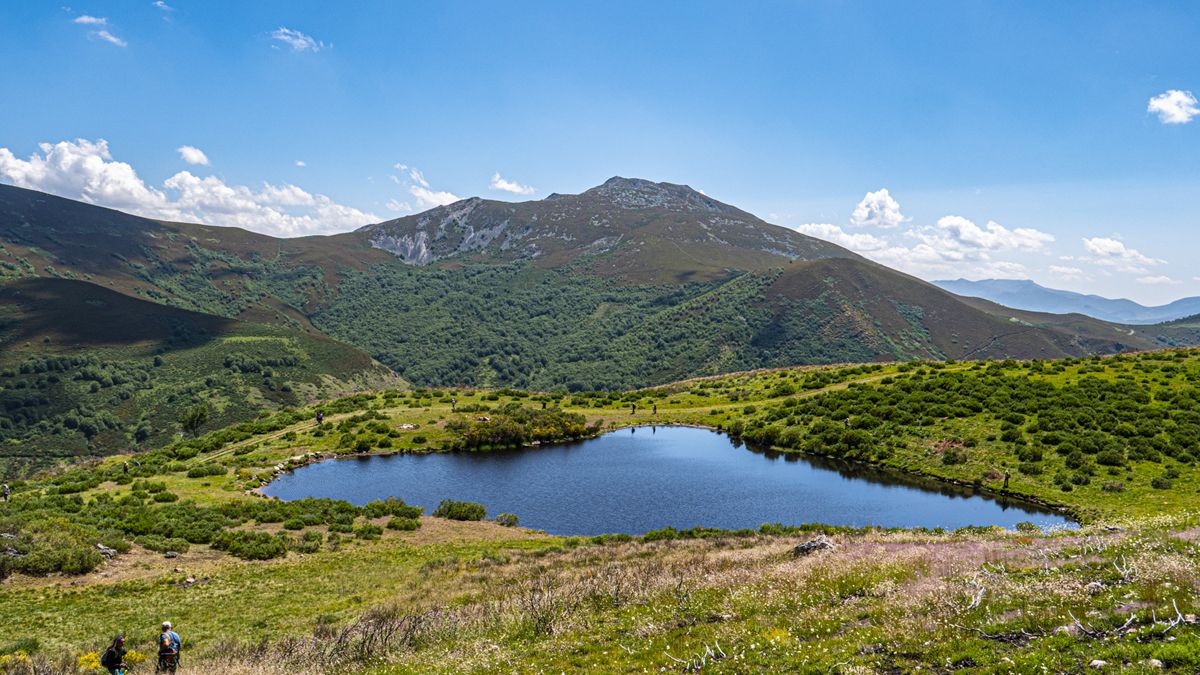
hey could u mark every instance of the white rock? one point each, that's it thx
(1097, 664)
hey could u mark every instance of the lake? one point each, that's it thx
(645, 478)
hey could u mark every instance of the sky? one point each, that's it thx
(1053, 141)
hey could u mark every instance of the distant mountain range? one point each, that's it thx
(1028, 295)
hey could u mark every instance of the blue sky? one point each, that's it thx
(1013, 139)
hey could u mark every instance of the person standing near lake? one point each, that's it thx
(169, 644)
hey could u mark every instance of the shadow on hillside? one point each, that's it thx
(77, 314)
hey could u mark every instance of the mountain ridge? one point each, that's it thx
(1029, 295)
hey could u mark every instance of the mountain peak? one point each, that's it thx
(639, 193)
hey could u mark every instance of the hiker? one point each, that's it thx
(168, 649)
(114, 657)
(1007, 475)
(453, 404)
(126, 468)
(632, 408)
(655, 409)
(320, 418)
(5, 491)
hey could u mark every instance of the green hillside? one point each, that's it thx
(86, 371)
(629, 284)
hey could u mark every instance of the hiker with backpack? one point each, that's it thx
(114, 657)
(169, 644)
(6, 492)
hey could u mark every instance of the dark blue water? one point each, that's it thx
(642, 479)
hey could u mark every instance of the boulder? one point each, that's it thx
(821, 543)
(171, 554)
(105, 551)
(1098, 664)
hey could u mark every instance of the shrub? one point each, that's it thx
(205, 470)
(161, 544)
(508, 519)
(165, 497)
(368, 531)
(293, 524)
(249, 545)
(403, 524)
(1113, 486)
(1026, 526)
(1162, 483)
(455, 510)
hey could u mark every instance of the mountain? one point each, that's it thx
(1025, 294)
(630, 283)
(627, 227)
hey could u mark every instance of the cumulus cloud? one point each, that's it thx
(85, 170)
(500, 183)
(395, 205)
(301, 42)
(1111, 252)
(301, 163)
(91, 20)
(163, 6)
(958, 233)
(1174, 107)
(411, 179)
(1159, 280)
(192, 155)
(428, 199)
(877, 209)
(860, 243)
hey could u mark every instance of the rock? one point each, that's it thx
(6, 535)
(821, 543)
(1094, 588)
(1098, 664)
(1154, 663)
(171, 554)
(1113, 528)
(190, 580)
(105, 551)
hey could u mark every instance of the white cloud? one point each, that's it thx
(163, 6)
(955, 233)
(412, 180)
(859, 243)
(1114, 253)
(877, 209)
(1159, 280)
(85, 170)
(109, 37)
(1174, 107)
(192, 155)
(499, 183)
(298, 41)
(428, 199)
(91, 20)
(403, 207)
(301, 163)
(1067, 272)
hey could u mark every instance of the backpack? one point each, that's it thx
(110, 658)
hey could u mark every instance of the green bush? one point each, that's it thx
(250, 545)
(206, 470)
(455, 510)
(160, 544)
(368, 531)
(403, 524)
(507, 519)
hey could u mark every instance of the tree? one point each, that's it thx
(193, 418)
